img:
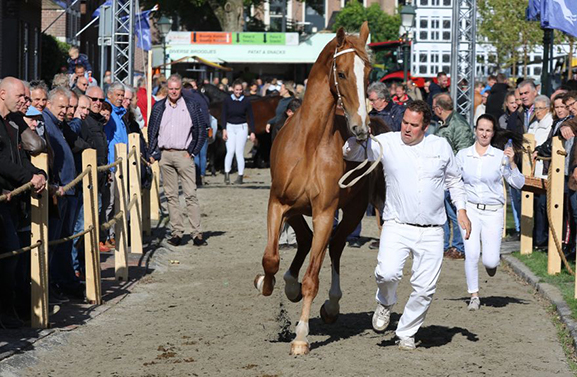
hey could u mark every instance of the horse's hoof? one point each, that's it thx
(258, 281)
(326, 317)
(297, 297)
(299, 347)
(259, 284)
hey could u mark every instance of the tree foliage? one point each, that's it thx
(54, 56)
(503, 23)
(383, 26)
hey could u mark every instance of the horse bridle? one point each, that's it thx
(339, 97)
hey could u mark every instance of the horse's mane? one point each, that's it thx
(501, 137)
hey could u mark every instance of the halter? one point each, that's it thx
(339, 98)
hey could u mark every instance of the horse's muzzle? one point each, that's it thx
(360, 133)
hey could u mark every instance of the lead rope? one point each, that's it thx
(362, 165)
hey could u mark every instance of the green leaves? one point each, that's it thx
(383, 26)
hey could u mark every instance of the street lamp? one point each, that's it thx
(408, 14)
(164, 24)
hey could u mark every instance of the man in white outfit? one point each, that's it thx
(418, 169)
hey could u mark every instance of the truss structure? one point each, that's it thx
(122, 56)
(463, 44)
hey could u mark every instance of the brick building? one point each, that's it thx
(20, 29)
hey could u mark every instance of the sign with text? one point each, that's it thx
(210, 38)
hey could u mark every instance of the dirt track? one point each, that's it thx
(203, 317)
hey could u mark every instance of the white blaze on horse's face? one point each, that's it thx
(363, 130)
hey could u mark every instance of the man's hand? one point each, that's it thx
(252, 137)
(464, 222)
(225, 135)
(566, 132)
(267, 128)
(39, 182)
(152, 160)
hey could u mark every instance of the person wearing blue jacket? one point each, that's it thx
(115, 131)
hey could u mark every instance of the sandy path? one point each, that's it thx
(203, 317)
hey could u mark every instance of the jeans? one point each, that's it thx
(60, 256)
(541, 228)
(516, 207)
(200, 161)
(10, 242)
(452, 219)
(354, 234)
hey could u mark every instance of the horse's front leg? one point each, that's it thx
(304, 237)
(322, 225)
(352, 215)
(271, 258)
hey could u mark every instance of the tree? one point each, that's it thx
(54, 56)
(383, 26)
(503, 23)
(226, 15)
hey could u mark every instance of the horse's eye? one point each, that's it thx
(342, 75)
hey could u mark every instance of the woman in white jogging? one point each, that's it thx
(483, 168)
(236, 119)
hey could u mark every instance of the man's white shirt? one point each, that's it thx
(416, 177)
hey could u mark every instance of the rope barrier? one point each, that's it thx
(557, 243)
(70, 238)
(131, 153)
(131, 203)
(74, 182)
(112, 221)
(112, 165)
(20, 251)
(17, 191)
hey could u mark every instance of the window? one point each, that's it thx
(447, 3)
(423, 69)
(424, 3)
(423, 36)
(537, 71)
(446, 36)
(424, 23)
(446, 58)
(423, 58)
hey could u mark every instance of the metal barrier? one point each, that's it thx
(128, 186)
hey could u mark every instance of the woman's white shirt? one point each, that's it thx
(483, 175)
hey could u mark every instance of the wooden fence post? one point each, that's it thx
(121, 190)
(91, 239)
(527, 201)
(136, 210)
(557, 191)
(39, 255)
(155, 192)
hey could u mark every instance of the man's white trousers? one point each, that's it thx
(426, 245)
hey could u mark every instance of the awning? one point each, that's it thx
(197, 59)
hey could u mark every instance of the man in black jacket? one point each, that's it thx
(176, 133)
(15, 170)
(497, 97)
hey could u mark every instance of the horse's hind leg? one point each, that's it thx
(352, 215)
(304, 237)
(271, 259)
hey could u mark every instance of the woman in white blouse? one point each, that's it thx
(483, 171)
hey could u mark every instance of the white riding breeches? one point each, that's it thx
(486, 229)
(426, 246)
(237, 134)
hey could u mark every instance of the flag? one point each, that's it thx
(97, 11)
(533, 12)
(560, 15)
(142, 30)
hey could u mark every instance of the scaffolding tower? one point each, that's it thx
(464, 34)
(122, 54)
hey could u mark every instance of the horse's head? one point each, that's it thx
(350, 77)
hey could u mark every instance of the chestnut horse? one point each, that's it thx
(306, 165)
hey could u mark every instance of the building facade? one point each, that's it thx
(20, 43)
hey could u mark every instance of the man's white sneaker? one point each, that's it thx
(381, 317)
(407, 344)
(474, 304)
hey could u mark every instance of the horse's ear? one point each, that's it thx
(340, 37)
(364, 32)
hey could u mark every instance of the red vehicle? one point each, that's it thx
(386, 66)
